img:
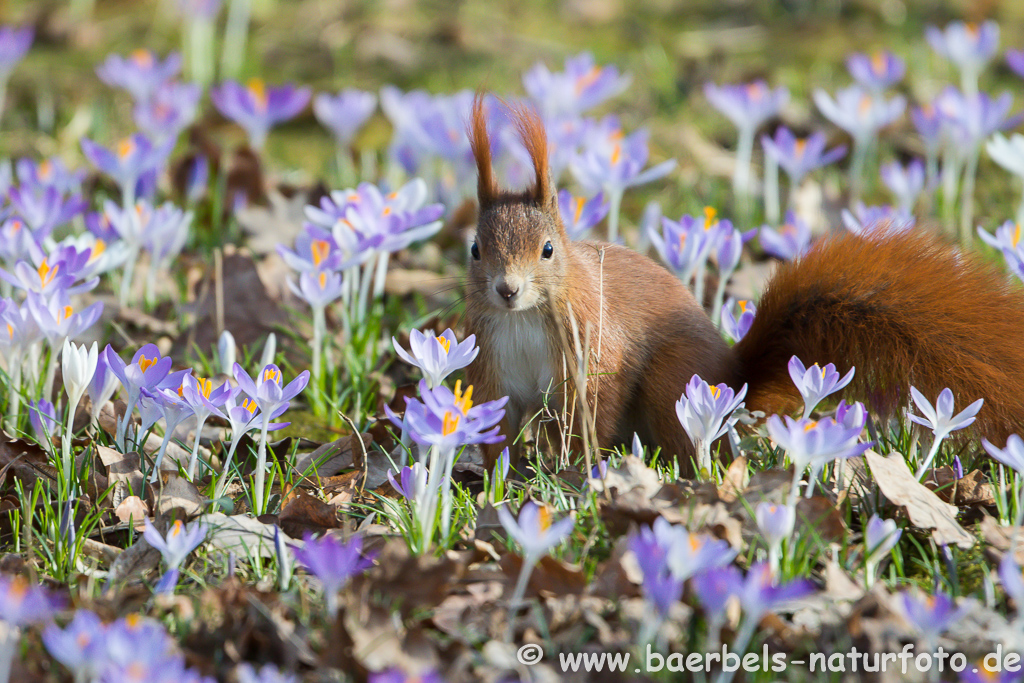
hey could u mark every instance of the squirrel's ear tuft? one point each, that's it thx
(486, 187)
(535, 139)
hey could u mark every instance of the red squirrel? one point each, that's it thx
(903, 308)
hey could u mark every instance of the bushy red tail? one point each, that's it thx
(905, 309)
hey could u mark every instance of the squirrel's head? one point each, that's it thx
(520, 253)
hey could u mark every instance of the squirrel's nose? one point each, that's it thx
(506, 291)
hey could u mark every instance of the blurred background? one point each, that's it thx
(671, 49)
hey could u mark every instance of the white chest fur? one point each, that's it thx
(522, 351)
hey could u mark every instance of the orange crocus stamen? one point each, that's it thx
(97, 250)
(715, 391)
(125, 148)
(146, 363)
(46, 273)
(543, 518)
(320, 250)
(258, 90)
(450, 423)
(176, 528)
(143, 58)
(579, 209)
(616, 153)
(709, 217)
(445, 344)
(272, 374)
(800, 146)
(463, 401)
(249, 405)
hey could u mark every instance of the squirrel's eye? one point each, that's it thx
(548, 250)
(475, 251)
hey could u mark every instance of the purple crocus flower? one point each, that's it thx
(799, 156)
(204, 400)
(437, 356)
(170, 110)
(940, 418)
(345, 113)
(48, 279)
(399, 676)
(713, 588)
(1006, 237)
(815, 383)
(448, 419)
(14, 45)
(129, 162)
(80, 645)
(580, 214)
(407, 484)
(257, 108)
(671, 547)
(315, 249)
(43, 418)
(747, 105)
(813, 443)
(50, 172)
(876, 218)
(141, 73)
(179, 541)
(761, 594)
(852, 415)
(969, 46)
(44, 208)
(930, 615)
(859, 113)
(1013, 581)
(534, 530)
(736, 327)
(973, 118)
(333, 562)
(147, 371)
(878, 72)
(880, 536)
(200, 9)
(706, 413)
(929, 125)
(58, 320)
(137, 649)
(684, 245)
(267, 391)
(23, 603)
(317, 289)
(905, 182)
(582, 86)
(1015, 60)
(790, 241)
(614, 161)
(267, 674)
(774, 521)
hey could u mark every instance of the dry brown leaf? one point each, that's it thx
(303, 513)
(331, 458)
(132, 509)
(172, 491)
(240, 534)
(549, 576)
(735, 480)
(972, 489)
(924, 508)
(999, 537)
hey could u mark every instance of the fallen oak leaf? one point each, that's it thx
(924, 508)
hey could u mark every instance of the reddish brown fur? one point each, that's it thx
(486, 186)
(903, 309)
(531, 132)
(647, 335)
